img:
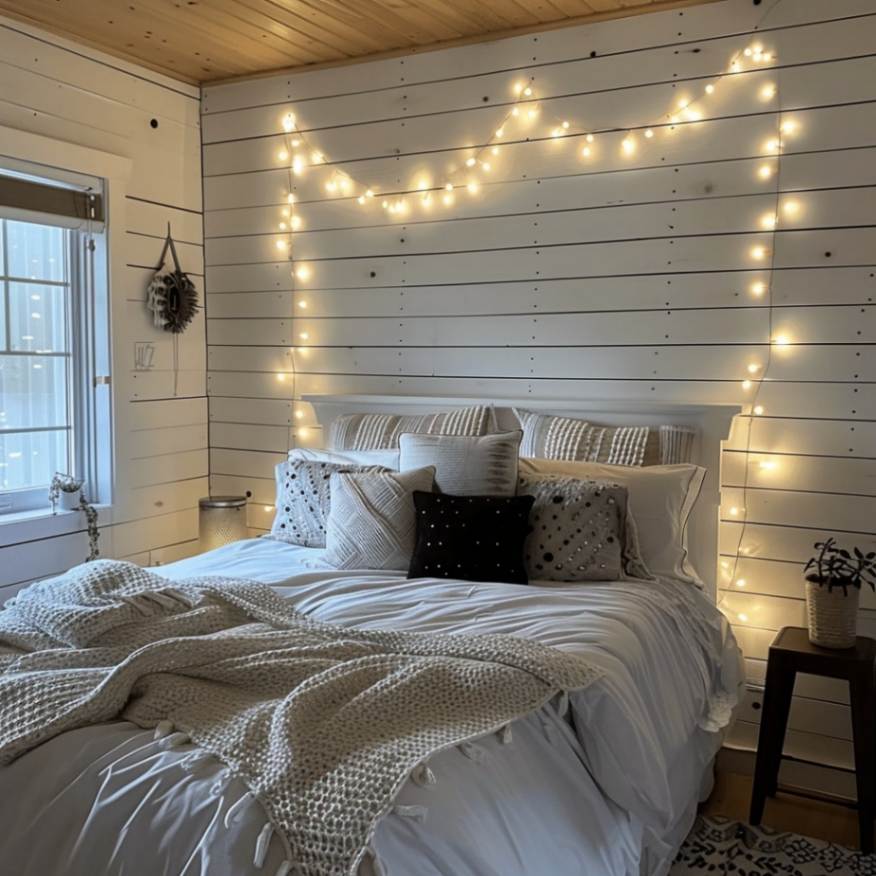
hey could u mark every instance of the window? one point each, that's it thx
(47, 352)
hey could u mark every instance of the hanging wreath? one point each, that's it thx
(171, 295)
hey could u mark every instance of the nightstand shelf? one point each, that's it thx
(791, 652)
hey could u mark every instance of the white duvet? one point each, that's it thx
(608, 789)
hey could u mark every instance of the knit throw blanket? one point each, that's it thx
(323, 723)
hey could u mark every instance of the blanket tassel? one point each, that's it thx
(505, 736)
(162, 729)
(174, 740)
(284, 869)
(262, 843)
(236, 808)
(423, 776)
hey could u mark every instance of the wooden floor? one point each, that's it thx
(827, 821)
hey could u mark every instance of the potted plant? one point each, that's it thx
(65, 492)
(833, 587)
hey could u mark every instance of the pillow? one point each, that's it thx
(384, 458)
(661, 499)
(381, 431)
(303, 500)
(581, 531)
(477, 466)
(371, 524)
(477, 538)
(549, 437)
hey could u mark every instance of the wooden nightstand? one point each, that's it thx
(790, 653)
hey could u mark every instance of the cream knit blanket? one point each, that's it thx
(323, 723)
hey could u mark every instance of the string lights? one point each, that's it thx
(527, 121)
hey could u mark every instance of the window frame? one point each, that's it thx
(86, 318)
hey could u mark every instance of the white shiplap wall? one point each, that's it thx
(80, 98)
(617, 277)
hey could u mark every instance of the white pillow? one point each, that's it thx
(661, 500)
(484, 465)
(384, 458)
(372, 522)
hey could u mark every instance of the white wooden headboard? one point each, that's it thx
(712, 424)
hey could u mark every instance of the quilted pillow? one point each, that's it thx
(548, 437)
(381, 431)
(476, 538)
(581, 531)
(371, 524)
(303, 499)
(484, 465)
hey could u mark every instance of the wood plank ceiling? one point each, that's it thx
(202, 40)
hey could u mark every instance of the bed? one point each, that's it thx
(606, 783)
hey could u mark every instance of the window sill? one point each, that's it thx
(39, 523)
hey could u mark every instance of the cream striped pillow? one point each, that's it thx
(382, 431)
(550, 437)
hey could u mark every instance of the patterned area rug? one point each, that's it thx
(717, 846)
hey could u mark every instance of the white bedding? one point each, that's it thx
(609, 789)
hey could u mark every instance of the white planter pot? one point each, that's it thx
(833, 616)
(68, 501)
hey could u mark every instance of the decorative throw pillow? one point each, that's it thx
(549, 437)
(303, 499)
(581, 531)
(662, 498)
(381, 431)
(476, 538)
(371, 524)
(483, 465)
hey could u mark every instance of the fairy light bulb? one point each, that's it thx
(734, 511)
(303, 335)
(557, 132)
(303, 272)
(746, 384)
(448, 187)
(693, 115)
(758, 410)
(565, 126)
(768, 220)
(758, 252)
(710, 89)
(791, 208)
(768, 92)
(773, 145)
(447, 199)
(500, 132)
(298, 165)
(299, 415)
(282, 155)
(515, 112)
(683, 103)
(289, 122)
(473, 187)
(628, 145)
(753, 367)
(385, 205)
(470, 162)
(586, 151)
(527, 92)
(281, 377)
(281, 245)
(532, 112)
(296, 142)
(486, 166)
(317, 158)
(649, 134)
(741, 582)
(360, 199)
(290, 198)
(495, 150)
(789, 126)
(518, 87)
(282, 226)
(346, 185)
(369, 193)
(743, 617)
(589, 138)
(767, 465)
(735, 67)
(331, 186)
(427, 200)
(781, 340)
(302, 304)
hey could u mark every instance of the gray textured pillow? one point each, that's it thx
(581, 531)
(372, 522)
(303, 499)
(465, 466)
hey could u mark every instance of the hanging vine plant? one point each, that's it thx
(171, 295)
